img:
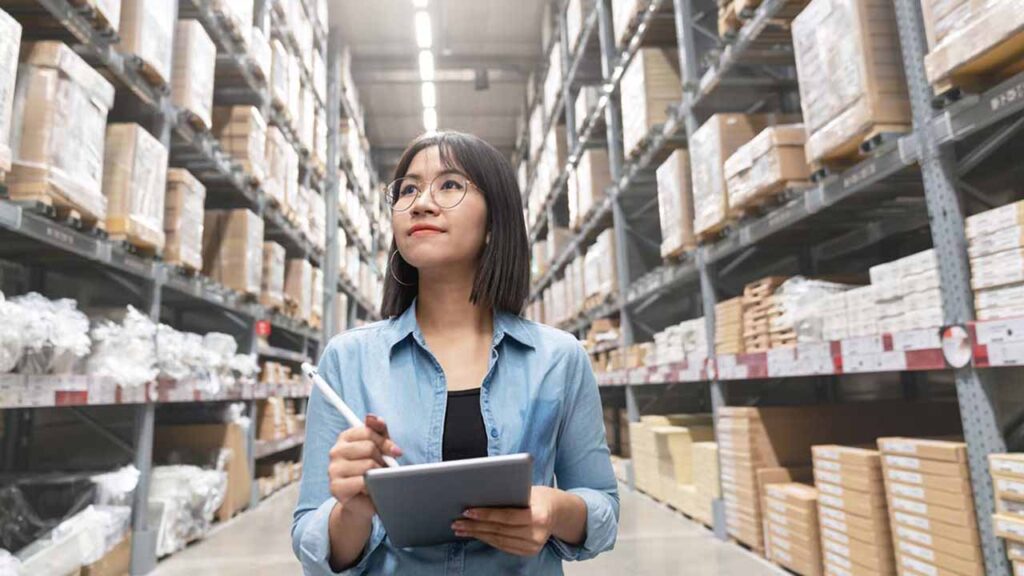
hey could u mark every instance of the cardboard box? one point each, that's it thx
(926, 467)
(858, 482)
(55, 157)
(10, 38)
(876, 558)
(592, 178)
(836, 565)
(280, 82)
(930, 511)
(985, 42)
(853, 501)
(277, 170)
(712, 144)
(135, 183)
(195, 59)
(865, 528)
(953, 501)
(316, 305)
(940, 450)
(147, 31)
(958, 532)
(233, 248)
(1007, 465)
(857, 458)
(844, 104)
(183, 220)
(994, 220)
(272, 282)
(1009, 527)
(939, 559)
(766, 165)
(649, 86)
(242, 133)
(969, 551)
(200, 442)
(675, 204)
(298, 286)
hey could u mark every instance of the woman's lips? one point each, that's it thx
(425, 232)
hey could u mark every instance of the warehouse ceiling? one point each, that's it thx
(472, 39)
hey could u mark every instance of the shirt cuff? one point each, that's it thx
(315, 544)
(602, 528)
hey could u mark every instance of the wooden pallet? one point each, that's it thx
(764, 287)
(729, 22)
(856, 149)
(151, 75)
(714, 232)
(767, 199)
(88, 8)
(139, 239)
(645, 144)
(676, 255)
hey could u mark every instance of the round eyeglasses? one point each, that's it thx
(447, 190)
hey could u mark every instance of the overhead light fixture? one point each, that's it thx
(430, 119)
(420, 3)
(426, 65)
(424, 34)
(429, 93)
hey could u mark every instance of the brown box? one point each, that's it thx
(675, 204)
(56, 158)
(272, 282)
(858, 458)
(953, 501)
(712, 144)
(930, 511)
(937, 541)
(956, 484)
(649, 86)
(985, 44)
(845, 104)
(276, 174)
(298, 286)
(147, 31)
(1009, 527)
(1007, 465)
(183, 220)
(203, 440)
(853, 501)
(766, 165)
(135, 183)
(116, 561)
(860, 482)
(963, 532)
(939, 559)
(195, 59)
(242, 132)
(877, 558)
(925, 467)
(854, 524)
(877, 538)
(592, 177)
(233, 249)
(940, 450)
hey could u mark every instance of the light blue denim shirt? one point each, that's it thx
(539, 396)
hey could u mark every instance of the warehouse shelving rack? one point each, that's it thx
(912, 190)
(110, 273)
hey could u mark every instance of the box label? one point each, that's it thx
(900, 447)
(834, 524)
(1012, 486)
(916, 340)
(842, 538)
(910, 506)
(829, 500)
(831, 489)
(1014, 528)
(838, 548)
(832, 512)
(828, 476)
(915, 521)
(914, 535)
(837, 560)
(1006, 354)
(908, 491)
(994, 331)
(1009, 466)
(903, 462)
(827, 465)
(915, 564)
(904, 476)
(917, 550)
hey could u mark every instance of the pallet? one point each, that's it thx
(714, 232)
(137, 239)
(150, 74)
(676, 255)
(856, 150)
(55, 209)
(183, 269)
(196, 121)
(88, 9)
(767, 199)
(729, 23)
(645, 144)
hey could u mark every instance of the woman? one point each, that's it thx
(457, 373)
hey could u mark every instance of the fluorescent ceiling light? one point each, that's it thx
(424, 34)
(420, 3)
(429, 93)
(430, 119)
(426, 65)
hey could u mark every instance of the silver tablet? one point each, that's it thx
(418, 503)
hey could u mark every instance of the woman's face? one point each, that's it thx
(429, 236)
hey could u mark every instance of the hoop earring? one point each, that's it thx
(391, 265)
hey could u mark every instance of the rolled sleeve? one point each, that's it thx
(583, 463)
(312, 543)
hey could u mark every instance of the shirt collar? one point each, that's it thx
(505, 324)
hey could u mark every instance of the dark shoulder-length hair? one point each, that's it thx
(503, 274)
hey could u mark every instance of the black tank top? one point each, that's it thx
(464, 434)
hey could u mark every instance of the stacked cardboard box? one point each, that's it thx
(676, 343)
(195, 59)
(706, 481)
(233, 248)
(867, 95)
(712, 144)
(553, 78)
(907, 295)
(600, 272)
(183, 220)
(10, 37)
(276, 172)
(654, 440)
(994, 242)
(758, 310)
(576, 14)
(854, 517)
(649, 86)
(262, 55)
(273, 416)
(586, 101)
(59, 130)
(279, 80)
(773, 161)
(592, 177)
(135, 183)
(729, 326)
(675, 205)
(792, 536)
(272, 285)
(935, 529)
(972, 43)
(298, 288)
(674, 449)
(1008, 479)
(147, 31)
(242, 133)
(340, 312)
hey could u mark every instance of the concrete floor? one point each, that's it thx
(652, 541)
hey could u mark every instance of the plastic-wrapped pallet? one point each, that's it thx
(294, 103)
(536, 127)
(576, 15)
(307, 119)
(792, 537)
(592, 177)
(272, 283)
(185, 499)
(233, 248)
(601, 269)
(242, 133)
(238, 14)
(183, 220)
(624, 12)
(320, 141)
(59, 130)
(935, 529)
(147, 31)
(316, 303)
(340, 312)
(972, 40)
(586, 101)
(851, 79)
(553, 79)
(795, 299)
(712, 144)
(298, 287)
(766, 165)
(675, 205)
(852, 510)
(648, 87)
(317, 220)
(10, 36)
(195, 59)
(280, 82)
(135, 183)
(262, 55)
(994, 243)
(276, 176)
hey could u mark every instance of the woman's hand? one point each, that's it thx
(356, 451)
(519, 531)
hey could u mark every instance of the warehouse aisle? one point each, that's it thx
(653, 541)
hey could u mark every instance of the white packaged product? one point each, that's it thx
(195, 60)
(186, 498)
(147, 31)
(10, 37)
(262, 54)
(56, 338)
(12, 342)
(125, 352)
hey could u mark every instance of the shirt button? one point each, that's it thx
(494, 432)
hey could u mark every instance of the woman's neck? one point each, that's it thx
(442, 304)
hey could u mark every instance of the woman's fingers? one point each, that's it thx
(361, 450)
(388, 446)
(508, 516)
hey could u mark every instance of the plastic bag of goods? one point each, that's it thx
(186, 498)
(56, 339)
(125, 352)
(12, 343)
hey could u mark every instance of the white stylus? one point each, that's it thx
(332, 397)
